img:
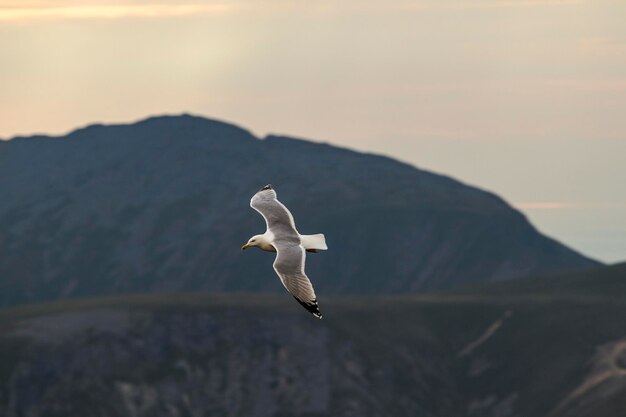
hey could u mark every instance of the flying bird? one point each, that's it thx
(290, 246)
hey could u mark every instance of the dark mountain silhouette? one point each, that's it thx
(509, 349)
(162, 205)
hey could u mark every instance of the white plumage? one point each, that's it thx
(290, 246)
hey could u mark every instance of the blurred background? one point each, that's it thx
(465, 160)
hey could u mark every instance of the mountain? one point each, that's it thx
(520, 348)
(162, 205)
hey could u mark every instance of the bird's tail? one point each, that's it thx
(314, 242)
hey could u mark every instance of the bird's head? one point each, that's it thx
(256, 240)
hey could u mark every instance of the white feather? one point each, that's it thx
(317, 242)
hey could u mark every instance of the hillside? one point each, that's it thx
(162, 205)
(528, 353)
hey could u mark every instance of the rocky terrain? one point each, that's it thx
(162, 205)
(554, 346)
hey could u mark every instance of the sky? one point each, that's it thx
(526, 98)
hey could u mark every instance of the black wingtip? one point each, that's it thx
(267, 187)
(312, 308)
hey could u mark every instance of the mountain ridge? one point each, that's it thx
(162, 205)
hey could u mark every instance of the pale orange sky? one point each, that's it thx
(526, 98)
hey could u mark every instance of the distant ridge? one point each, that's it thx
(162, 205)
(529, 352)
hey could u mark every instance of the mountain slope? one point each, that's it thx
(162, 205)
(527, 353)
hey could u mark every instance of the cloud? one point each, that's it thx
(460, 5)
(46, 11)
(560, 205)
(26, 10)
(526, 3)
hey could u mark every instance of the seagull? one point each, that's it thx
(290, 246)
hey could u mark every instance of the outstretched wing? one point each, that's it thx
(289, 265)
(278, 219)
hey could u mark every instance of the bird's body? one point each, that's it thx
(290, 246)
(311, 243)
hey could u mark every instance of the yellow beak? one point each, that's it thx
(246, 246)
